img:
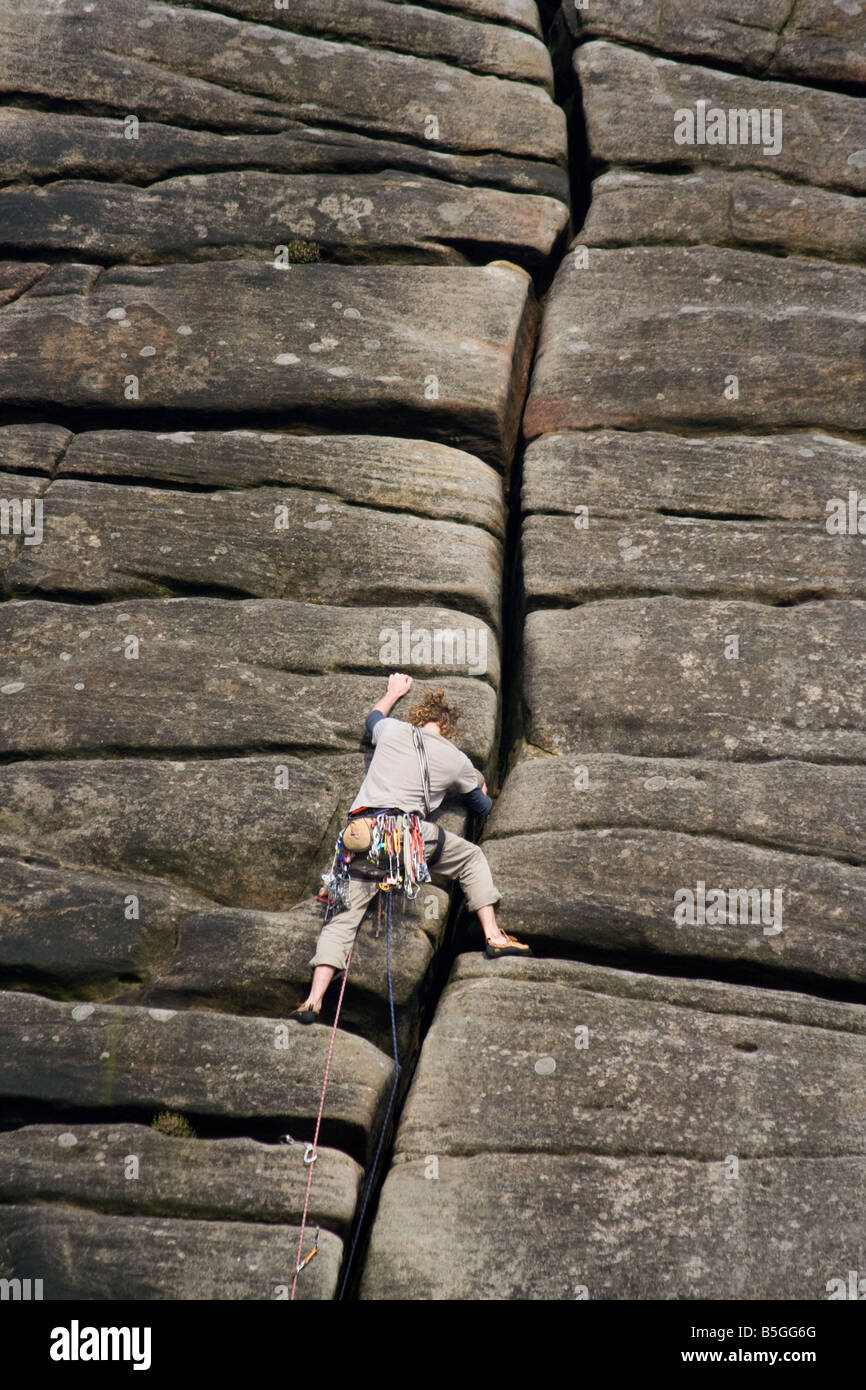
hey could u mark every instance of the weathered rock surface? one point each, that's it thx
(680, 555)
(430, 33)
(244, 832)
(72, 932)
(212, 675)
(21, 524)
(655, 336)
(561, 1227)
(111, 1059)
(204, 68)
(820, 39)
(634, 107)
(62, 925)
(739, 517)
(270, 542)
(642, 891)
(182, 709)
(428, 480)
(620, 473)
(659, 1052)
(800, 807)
(616, 1139)
(724, 209)
(253, 962)
(91, 1256)
(203, 1179)
(248, 214)
(16, 278)
(37, 145)
(390, 346)
(653, 679)
(32, 448)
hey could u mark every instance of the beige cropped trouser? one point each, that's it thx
(460, 859)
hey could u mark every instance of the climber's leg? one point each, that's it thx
(336, 939)
(466, 862)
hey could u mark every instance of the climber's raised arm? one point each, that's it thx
(399, 684)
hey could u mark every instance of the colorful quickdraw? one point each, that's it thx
(396, 846)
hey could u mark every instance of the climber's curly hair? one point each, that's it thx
(434, 708)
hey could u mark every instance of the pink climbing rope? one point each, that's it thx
(312, 1164)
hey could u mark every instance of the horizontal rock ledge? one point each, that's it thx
(775, 561)
(796, 806)
(203, 68)
(200, 1179)
(41, 145)
(138, 1258)
(210, 675)
(563, 1227)
(506, 42)
(443, 352)
(32, 448)
(716, 207)
(652, 337)
(621, 473)
(110, 1058)
(686, 896)
(634, 104)
(247, 214)
(116, 541)
(651, 678)
(655, 1073)
(821, 41)
(406, 475)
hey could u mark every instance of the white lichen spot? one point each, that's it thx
(286, 359)
(82, 1011)
(147, 352)
(161, 1015)
(66, 1140)
(12, 688)
(184, 330)
(545, 1066)
(116, 314)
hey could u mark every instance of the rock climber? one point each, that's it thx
(395, 782)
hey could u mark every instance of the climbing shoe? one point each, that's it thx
(513, 948)
(305, 1015)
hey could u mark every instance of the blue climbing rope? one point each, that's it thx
(372, 1174)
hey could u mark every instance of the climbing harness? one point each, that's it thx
(395, 858)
